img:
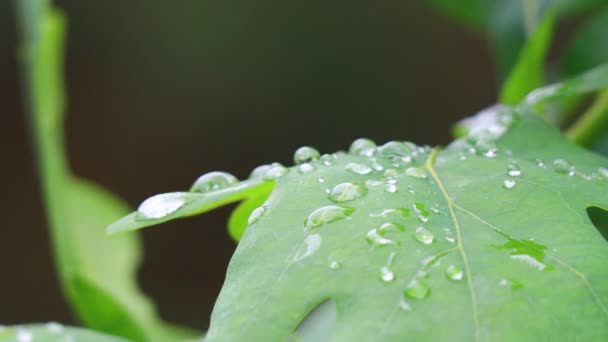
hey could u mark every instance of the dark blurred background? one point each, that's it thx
(161, 92)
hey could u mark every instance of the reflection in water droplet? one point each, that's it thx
(347, 191)
(563, 166)
(509, 184)
(391, 213)
(530, 261)
(162, 205)
(311, 244)
(375, 238)
(213, 181)
(415, 172)
(335, 265)
(362, 147)
(424, 236)
(305, 154)
(256, 215)
(454, 273)
(417, 290)
(358, 169)
(306, 168)
(275, 171)
(326, 215)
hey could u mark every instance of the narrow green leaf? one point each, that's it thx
(528, 72)
(592, 80)
(52, 332)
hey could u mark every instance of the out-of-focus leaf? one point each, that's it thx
(592, 80)
(528, 72)
(52, 332)
(589, 46)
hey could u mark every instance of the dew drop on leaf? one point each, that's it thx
(275, 171)
(335, 265)
(213, 181)
(161, 205)
(417, 290)
(390, 227)
(509, 184)
(358, 169)
(603, 171)
(305, 154)
(391, 186)
(454, 273)
(362, 147)
(513, 170)
(404, 305)
(260, 171)
(256, 215)
(563, 166)
(321, 180)
(311, 244)
(424, 236)
(386, 274)
(391, 213)
(327, 159)
(415, 172)
(347, 191)
(531, 261)
(306, 168)
(375, 238)
(327, 214)
(395, 149)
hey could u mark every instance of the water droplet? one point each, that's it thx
(321, 180)
(377, 166)
(411, 190)
(391, 186)
(376, 239)
(448, 235)
(311, 244)
(454, 273)
(335, 265)
(514, 284)
(531, 261)
(256, 215)
(395, 149)
(391, 213)
(23, 335)
(54, 327)
(326, 215)
(423, 219)
(417, 290)
(213, 181)
(404, 305)
(260, 171)
(390, 227)
(603, 171)
(363, 147)
(275, 171)
(491, 153)
(540, 163)
(306, 168)
(509, 184)
(162, 205)
(386, 274)
(424, 236)
(415, 172)
(514, 170)
(327, 159)
(305, 154)
(347, 191)
(563, 166)
(358, 169)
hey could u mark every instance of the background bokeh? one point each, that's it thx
(161, 92)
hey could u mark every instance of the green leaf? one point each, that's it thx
(97, 273)
(52, 332)
(592, 80)
(589, 46)
(528, 72)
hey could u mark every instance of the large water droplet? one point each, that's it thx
(306, 168)
(347, 191)
(305, 154)
(390, 227)
(256, 215)
(362, 147)
(275, 171)
(509, 184)
(415, 172)
(162, 205)
(395, 149)
(386, 274)
(375, 238)
(417, 290)
(563, 166)
(326, 215)
(328, 159)
(335, 265)
(260, 171)
(424, 236)
(454, 273)
(213, 181)
(311, 244)
(358, 169)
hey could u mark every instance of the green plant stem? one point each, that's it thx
(593, 123)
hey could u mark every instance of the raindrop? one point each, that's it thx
(391, 213)
(563, 166)
(260, 171)
(386, 274)
(390, 227)
(395, 149)
(321, 180)
(335, 265)
(415, 172)
(603, 171)
(540, 163)
(417, 290)
(454, 273)
(376, 239)
(162, 205)
(487, 148)
(256, 215)
(358, 169)
(391, 186)
(404, 305)
(326, 215)
(449, 236)
(347, 191)
(275, 171)
(327, 159)
(508, 184)
(363, 147)
(213, 181)
(423, 219)
(305, 154)
(377, 166)
(311, 244)
(424, 236)
(306, 168)
(491, 153)
(514, 170)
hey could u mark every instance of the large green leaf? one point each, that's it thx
(98, 273)
(52, 332)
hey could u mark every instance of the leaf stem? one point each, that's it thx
(592, 124)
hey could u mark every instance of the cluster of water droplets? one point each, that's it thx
(25, 334)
